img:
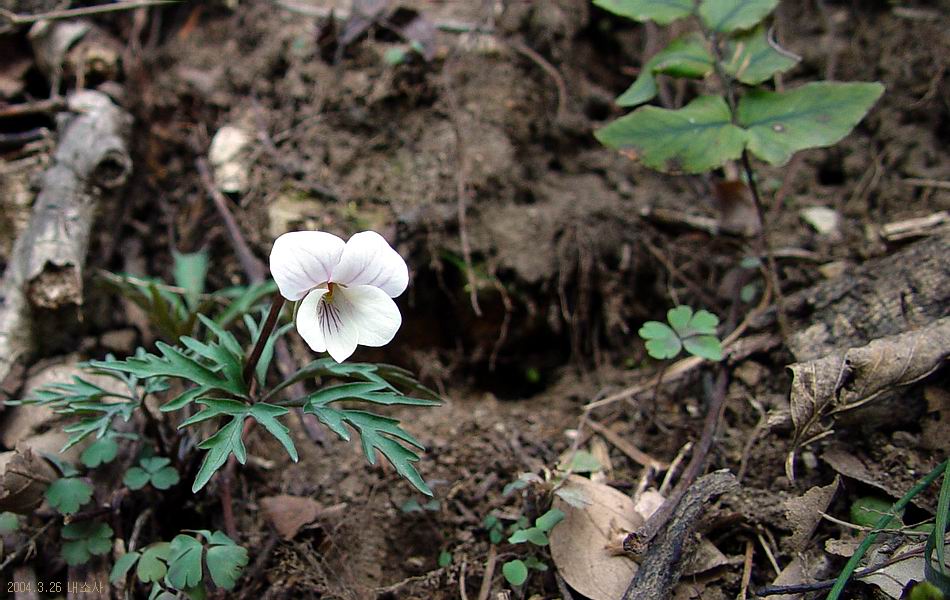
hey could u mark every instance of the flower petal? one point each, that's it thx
(302, 260)
(375, 314)
(368, 259)
(328, 326)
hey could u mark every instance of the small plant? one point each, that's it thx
(696, 332)
(212, 377)
(732, 45)
(516, 571)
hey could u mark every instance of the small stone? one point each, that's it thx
(120, 340)
(228, 157)
(822, 219)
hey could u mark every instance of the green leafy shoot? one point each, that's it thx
(496, 530)
(228, 440)
(694, 332)
(537, 535)
(152, 564)
(68, 494)
(376, 431)
(83, 539)
(190, 271)
(663, 12)
(156, 470)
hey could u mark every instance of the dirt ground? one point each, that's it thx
(485, 150)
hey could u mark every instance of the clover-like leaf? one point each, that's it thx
(67, 494)
(753, 58)
(154, 562)
(225, 560)
(84, 539)
(696, 138)
(155, 470)
(184, 564)
(122, 566)
(815, 115)
(660, 11)
(704, 346)
(678, 318)
(725, 16)
(100, 452)
(661, 341)
(136, 478)
(515, 572)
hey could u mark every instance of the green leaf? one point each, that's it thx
(9, 523)
(867, 510)
(704, 346)
(100, 452)
(814, 115)
(684, 57)
(175, 363)
(532, 562)
(445, 558)
(220, 446)
(679, 317)
(153, 565)
(535, 535)
(515, 572)
(266, 415)
(726, 16)
(225, 562)
(940, 524)
(753, 58)
(67, 494)
(703, 322)
(121, 567)
(660, 11)
(184, 567)
(376, 433)
(693, 139)
(190, 271)
(548, 520)
(661, 341)
(85, 538)
(184, 399)
(582, 461)
(165, 478)
(136, 478)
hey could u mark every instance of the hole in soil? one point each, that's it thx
(831, 172)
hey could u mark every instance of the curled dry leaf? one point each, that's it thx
(804, 513)
(24, 478)
(846, 380)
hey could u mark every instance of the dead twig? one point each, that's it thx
(827, 584)
(250, 263)
(746, 569)
(85, 11)
(485, 589)
(661, 567)
(638, 456)
(521, 48)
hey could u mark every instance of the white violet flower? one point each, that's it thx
(346, 288)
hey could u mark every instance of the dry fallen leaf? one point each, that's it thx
(289, 514)
(580, 544)
(846, 380)
(24, 478)
(804, 513)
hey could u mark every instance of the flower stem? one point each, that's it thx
(276, 304)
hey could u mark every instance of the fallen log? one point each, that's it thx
(45, 272)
